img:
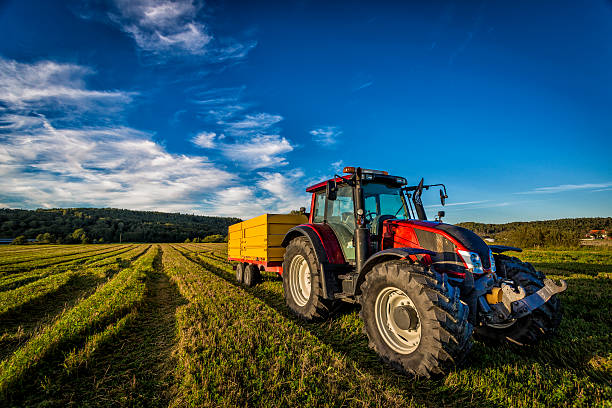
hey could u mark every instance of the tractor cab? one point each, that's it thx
(360, 202)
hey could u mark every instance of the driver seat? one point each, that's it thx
(377, 223)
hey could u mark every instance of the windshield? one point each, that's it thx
(380, 199)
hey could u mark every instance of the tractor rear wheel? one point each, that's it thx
(239, 272)
(541, 323)
(301, 281)
(414, 318)
(251, 275)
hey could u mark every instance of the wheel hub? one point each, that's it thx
(405, 317)
(299, 280)
(397, 320)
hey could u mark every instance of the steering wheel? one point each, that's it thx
(370, 216)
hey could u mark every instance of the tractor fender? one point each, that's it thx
(315, 242)
(498, 249)
(386, 255)
(329, 267)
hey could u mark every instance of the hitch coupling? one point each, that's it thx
(515, 305)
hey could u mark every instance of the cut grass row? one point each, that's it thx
(109, 303)
(573, 369)
(15, 280)
(54, 260)
(100, 268)
(16, 258)
(235, 350)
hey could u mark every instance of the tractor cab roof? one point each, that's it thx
(367, 175)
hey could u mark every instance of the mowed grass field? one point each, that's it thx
(167, 325)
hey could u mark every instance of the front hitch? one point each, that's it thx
(526, 305)
(511, 304)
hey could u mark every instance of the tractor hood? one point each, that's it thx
(443, 238)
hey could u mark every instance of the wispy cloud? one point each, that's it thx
(43, 162)
(116, 166)
(251, 124)
(162, 29)
(326, 136)
(28, 86)
(271, 193)
(162, 26)
(458, 204)
(567, 187)
(205, 140)
(363, 86)
(251, 139)
(259, 151)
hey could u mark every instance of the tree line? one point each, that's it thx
(107, 225)
(565, 232)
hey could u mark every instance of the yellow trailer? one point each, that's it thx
(258, 241)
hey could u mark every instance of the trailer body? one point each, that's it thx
(258, 240)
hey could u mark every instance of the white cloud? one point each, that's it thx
(117, 167)
(166, 28)
(567, 187)
(259, 151)
(251, 124)
(46, 164)
(327, 136)
(272, 193)
(47, 82)
(162, 26)
(205, 140)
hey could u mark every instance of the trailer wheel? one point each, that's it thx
(251, 275)
(301, 281)
(540, 324)
(414, 318)
(240, 272)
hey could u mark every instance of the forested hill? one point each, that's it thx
(72, 225)
(565, 232)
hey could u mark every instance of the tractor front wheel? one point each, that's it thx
(301, 281)
(414, 318)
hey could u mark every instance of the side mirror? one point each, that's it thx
(331, 190)
(440, 215)
(443, 197)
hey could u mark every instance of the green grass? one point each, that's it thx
(573, 369)
(111, 301)
(112, 326)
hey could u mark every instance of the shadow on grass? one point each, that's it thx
(583, 339)
(29, 317)
(355, 347)
(133, 369)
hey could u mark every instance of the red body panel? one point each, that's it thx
(329, 241)
(268, 266)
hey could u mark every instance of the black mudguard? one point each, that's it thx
(328, 270)
(386, 255)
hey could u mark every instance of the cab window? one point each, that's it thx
(319, 208)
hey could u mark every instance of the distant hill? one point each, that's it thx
(69, 225)
(564, 232)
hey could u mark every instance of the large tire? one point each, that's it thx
(251, 275)
(540, 324)
(435, 337)
(240, 272)
(302, 281)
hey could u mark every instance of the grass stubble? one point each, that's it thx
(168, 325)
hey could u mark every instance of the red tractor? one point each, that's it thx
(424, 287)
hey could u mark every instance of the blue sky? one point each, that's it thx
(233, 108)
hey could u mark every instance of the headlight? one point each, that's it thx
(472, 260)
